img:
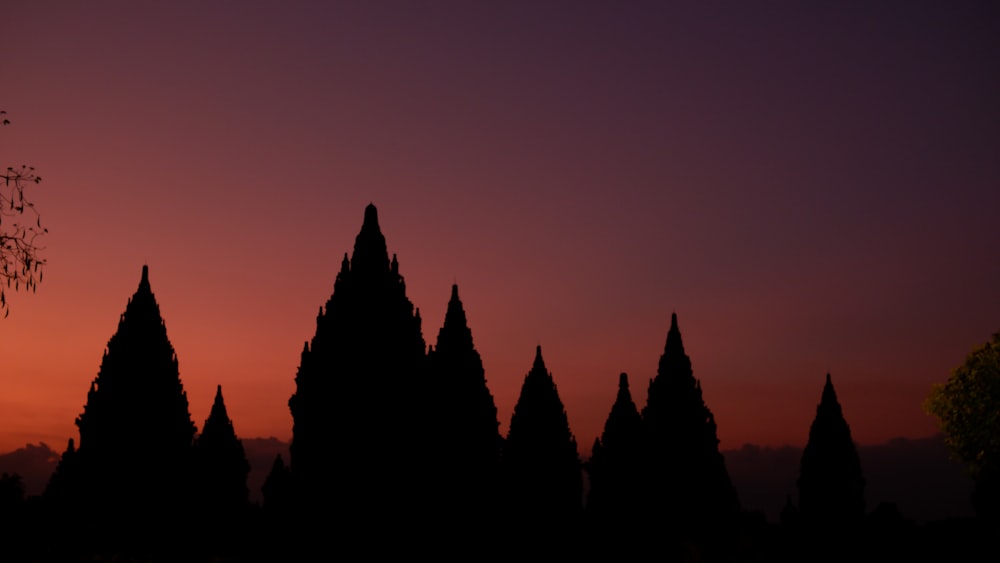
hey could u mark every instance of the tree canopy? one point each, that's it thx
(968, 408)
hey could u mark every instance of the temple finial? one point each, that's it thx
(539, 362)
(144, 280)
(370, 254)
(829, 394)
(371, 215)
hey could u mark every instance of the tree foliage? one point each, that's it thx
(20, 227)
(968, 408)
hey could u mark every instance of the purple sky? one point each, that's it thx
(811, 188)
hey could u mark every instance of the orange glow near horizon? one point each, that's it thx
(808, 196)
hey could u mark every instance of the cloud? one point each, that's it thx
(34, 463)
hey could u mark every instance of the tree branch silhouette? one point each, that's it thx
(20, 226)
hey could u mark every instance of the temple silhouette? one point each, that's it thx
(136, 432)
(616, 496)
(687, 485)
(359, 390)
(463, 436)
(540, 460)
(831, 485)
(396, 450)
(138, 456)
(221, 464)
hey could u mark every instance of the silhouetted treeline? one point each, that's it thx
(396, 451)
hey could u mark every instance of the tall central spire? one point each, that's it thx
(357, 386)
(370, 252)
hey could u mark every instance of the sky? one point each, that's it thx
(811, 187)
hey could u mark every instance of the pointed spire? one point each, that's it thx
(370, 253)
(675, 345)
(367, 346)
(142, 294)
(371, 216)
(138, 352)
(829, 406)
(539, 362)
(142, 304)
(219, 406)
(829, 395)
(831, 484)
(624, 413)
(624, 396)
(465, 441)
(540, 456)
(675, 363)
(218, 426)
(222, 465)
(138, 400)
(455, 333)
(679, 425)
(614, 490)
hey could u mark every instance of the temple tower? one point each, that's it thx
(540, 458)
(688, 486)
(136, 433)
(831, 485)
(359, 390)
(464, 440)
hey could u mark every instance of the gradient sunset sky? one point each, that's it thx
(811, 187)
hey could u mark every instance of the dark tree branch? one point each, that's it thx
(21, 263)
